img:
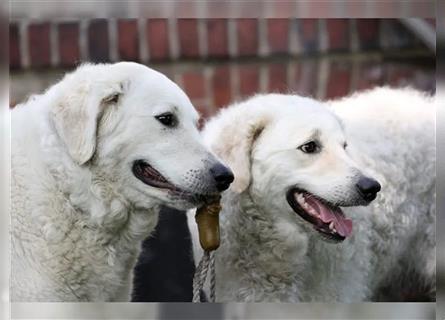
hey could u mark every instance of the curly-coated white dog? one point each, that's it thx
(92, 160)
(296, 224)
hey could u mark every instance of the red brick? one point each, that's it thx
(248, 80)
(339, 80)
(14, 46)
(370, 75)
(368, 33)
(217, 38)
(221, 86)
(194, 84)
(205, 112)
(309, 34)
(39, 44)
(297, 76)
(307, 80)
(278, 35)
(157, 39)
(278, 78)
(188, 38)
(98, 41)
(247, 31)
(68, 39)
(338, 34)
(128, 43)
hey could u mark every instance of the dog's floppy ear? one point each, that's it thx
(76, 114)
(233, 143)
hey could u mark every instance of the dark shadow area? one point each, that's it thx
(165, 268)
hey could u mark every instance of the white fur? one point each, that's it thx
(268, 253)
(78, 212)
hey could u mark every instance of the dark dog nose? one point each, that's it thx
(368, 188)
(223, 176)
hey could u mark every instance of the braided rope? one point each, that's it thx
(200, 276)
(212, 278)
(207, 261)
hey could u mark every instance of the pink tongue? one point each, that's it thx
(327, 215)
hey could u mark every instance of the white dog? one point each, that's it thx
(92, 159)
(303, 176)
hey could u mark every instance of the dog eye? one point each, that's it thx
(309, 147)
(345, 145)
(167, 119)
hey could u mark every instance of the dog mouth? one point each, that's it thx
(150, 176)
(326, 218)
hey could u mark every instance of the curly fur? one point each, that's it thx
(268, 253)
(78, 213)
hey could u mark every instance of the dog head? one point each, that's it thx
(135, 128)
(290, 155)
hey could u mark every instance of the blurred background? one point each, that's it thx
(218, 61)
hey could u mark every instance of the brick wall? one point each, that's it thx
(217, 61)
(37, 44)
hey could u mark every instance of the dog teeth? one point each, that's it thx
(300, 198)
(302, 202)
(332, 227)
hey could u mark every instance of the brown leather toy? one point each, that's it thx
(207, 218)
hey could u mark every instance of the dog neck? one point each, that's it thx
(267, 258)
(253, 240)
